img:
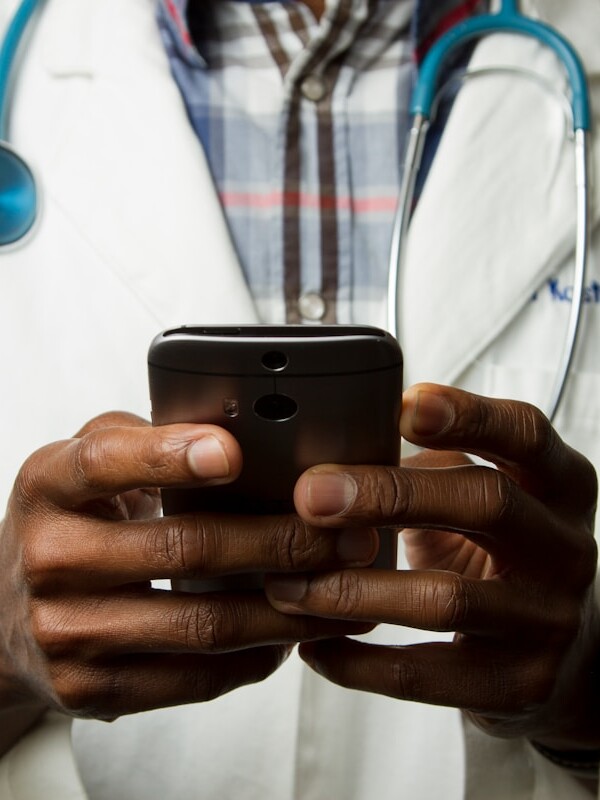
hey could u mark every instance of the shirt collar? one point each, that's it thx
(432, 18)
(174, 14)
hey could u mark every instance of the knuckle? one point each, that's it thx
(529, 424)
(577, 547)
(72, 690)
(295, 548)
(201, 627)
(97, 452)
(90, 458)
(521, 684)
(206, 686)
(56, 632)
(86, 692)
(552, 619)
(510, 690)
(188, 546)
(49, 629)
(534, 429)
(451, 604)
(536, 684)
(157, 454)
(168, 544)
(46, 563)
(472, 418)
(39, 568)
(495, 498)
(345, 591)
(406, 679)
(390, 497)
(27, 487)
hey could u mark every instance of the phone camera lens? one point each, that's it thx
(275, 361)
(275, 407)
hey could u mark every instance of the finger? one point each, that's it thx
(513, 435)
(140, 504)
(472, 676)
(436, 459)
(482, 503)
(113, 460)
(442, 550)
(137, 504)
(188, 547)
(436, 601)
(172, 622)
(131, 685)
(112, 419)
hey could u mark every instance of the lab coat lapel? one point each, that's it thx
(497, 216)
(129, 140)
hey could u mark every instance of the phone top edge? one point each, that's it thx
(288, 350)
(271, 331)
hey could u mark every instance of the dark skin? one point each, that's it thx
(506, 558)
(81, 629)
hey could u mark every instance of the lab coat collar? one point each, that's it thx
(470, 269)
(168, 239)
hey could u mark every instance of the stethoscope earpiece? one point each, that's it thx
(18, 196)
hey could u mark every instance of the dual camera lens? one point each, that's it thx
(275, 407)
(274, 361)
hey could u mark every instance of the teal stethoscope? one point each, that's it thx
(19, 197)
(507, 20)
(19, 201)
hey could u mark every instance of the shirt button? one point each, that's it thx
(312, 306)
(313, 88)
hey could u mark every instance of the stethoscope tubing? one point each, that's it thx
(582, 251)
(20, 205)
(8, 52)
(416, 143)
(507, 20)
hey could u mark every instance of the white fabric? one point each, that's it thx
(41, 764)
(132, 240)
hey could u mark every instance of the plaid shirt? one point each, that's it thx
(303, 124)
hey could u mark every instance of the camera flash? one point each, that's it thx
(231, 407)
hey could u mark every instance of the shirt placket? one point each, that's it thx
(310, 225)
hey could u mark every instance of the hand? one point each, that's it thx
(83, 631)
(505, 558)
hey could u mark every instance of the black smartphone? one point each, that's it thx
(293, 396)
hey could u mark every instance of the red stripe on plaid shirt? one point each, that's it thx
(307, 200)
(181, 25)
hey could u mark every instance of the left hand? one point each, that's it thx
(505, 558)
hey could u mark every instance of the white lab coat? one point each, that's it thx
(132, 240)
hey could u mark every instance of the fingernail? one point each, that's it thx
(207, 459)
(356, 546)
(287, 589)
(432, 414)
(330, 493)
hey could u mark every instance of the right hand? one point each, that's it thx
(81, 628)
